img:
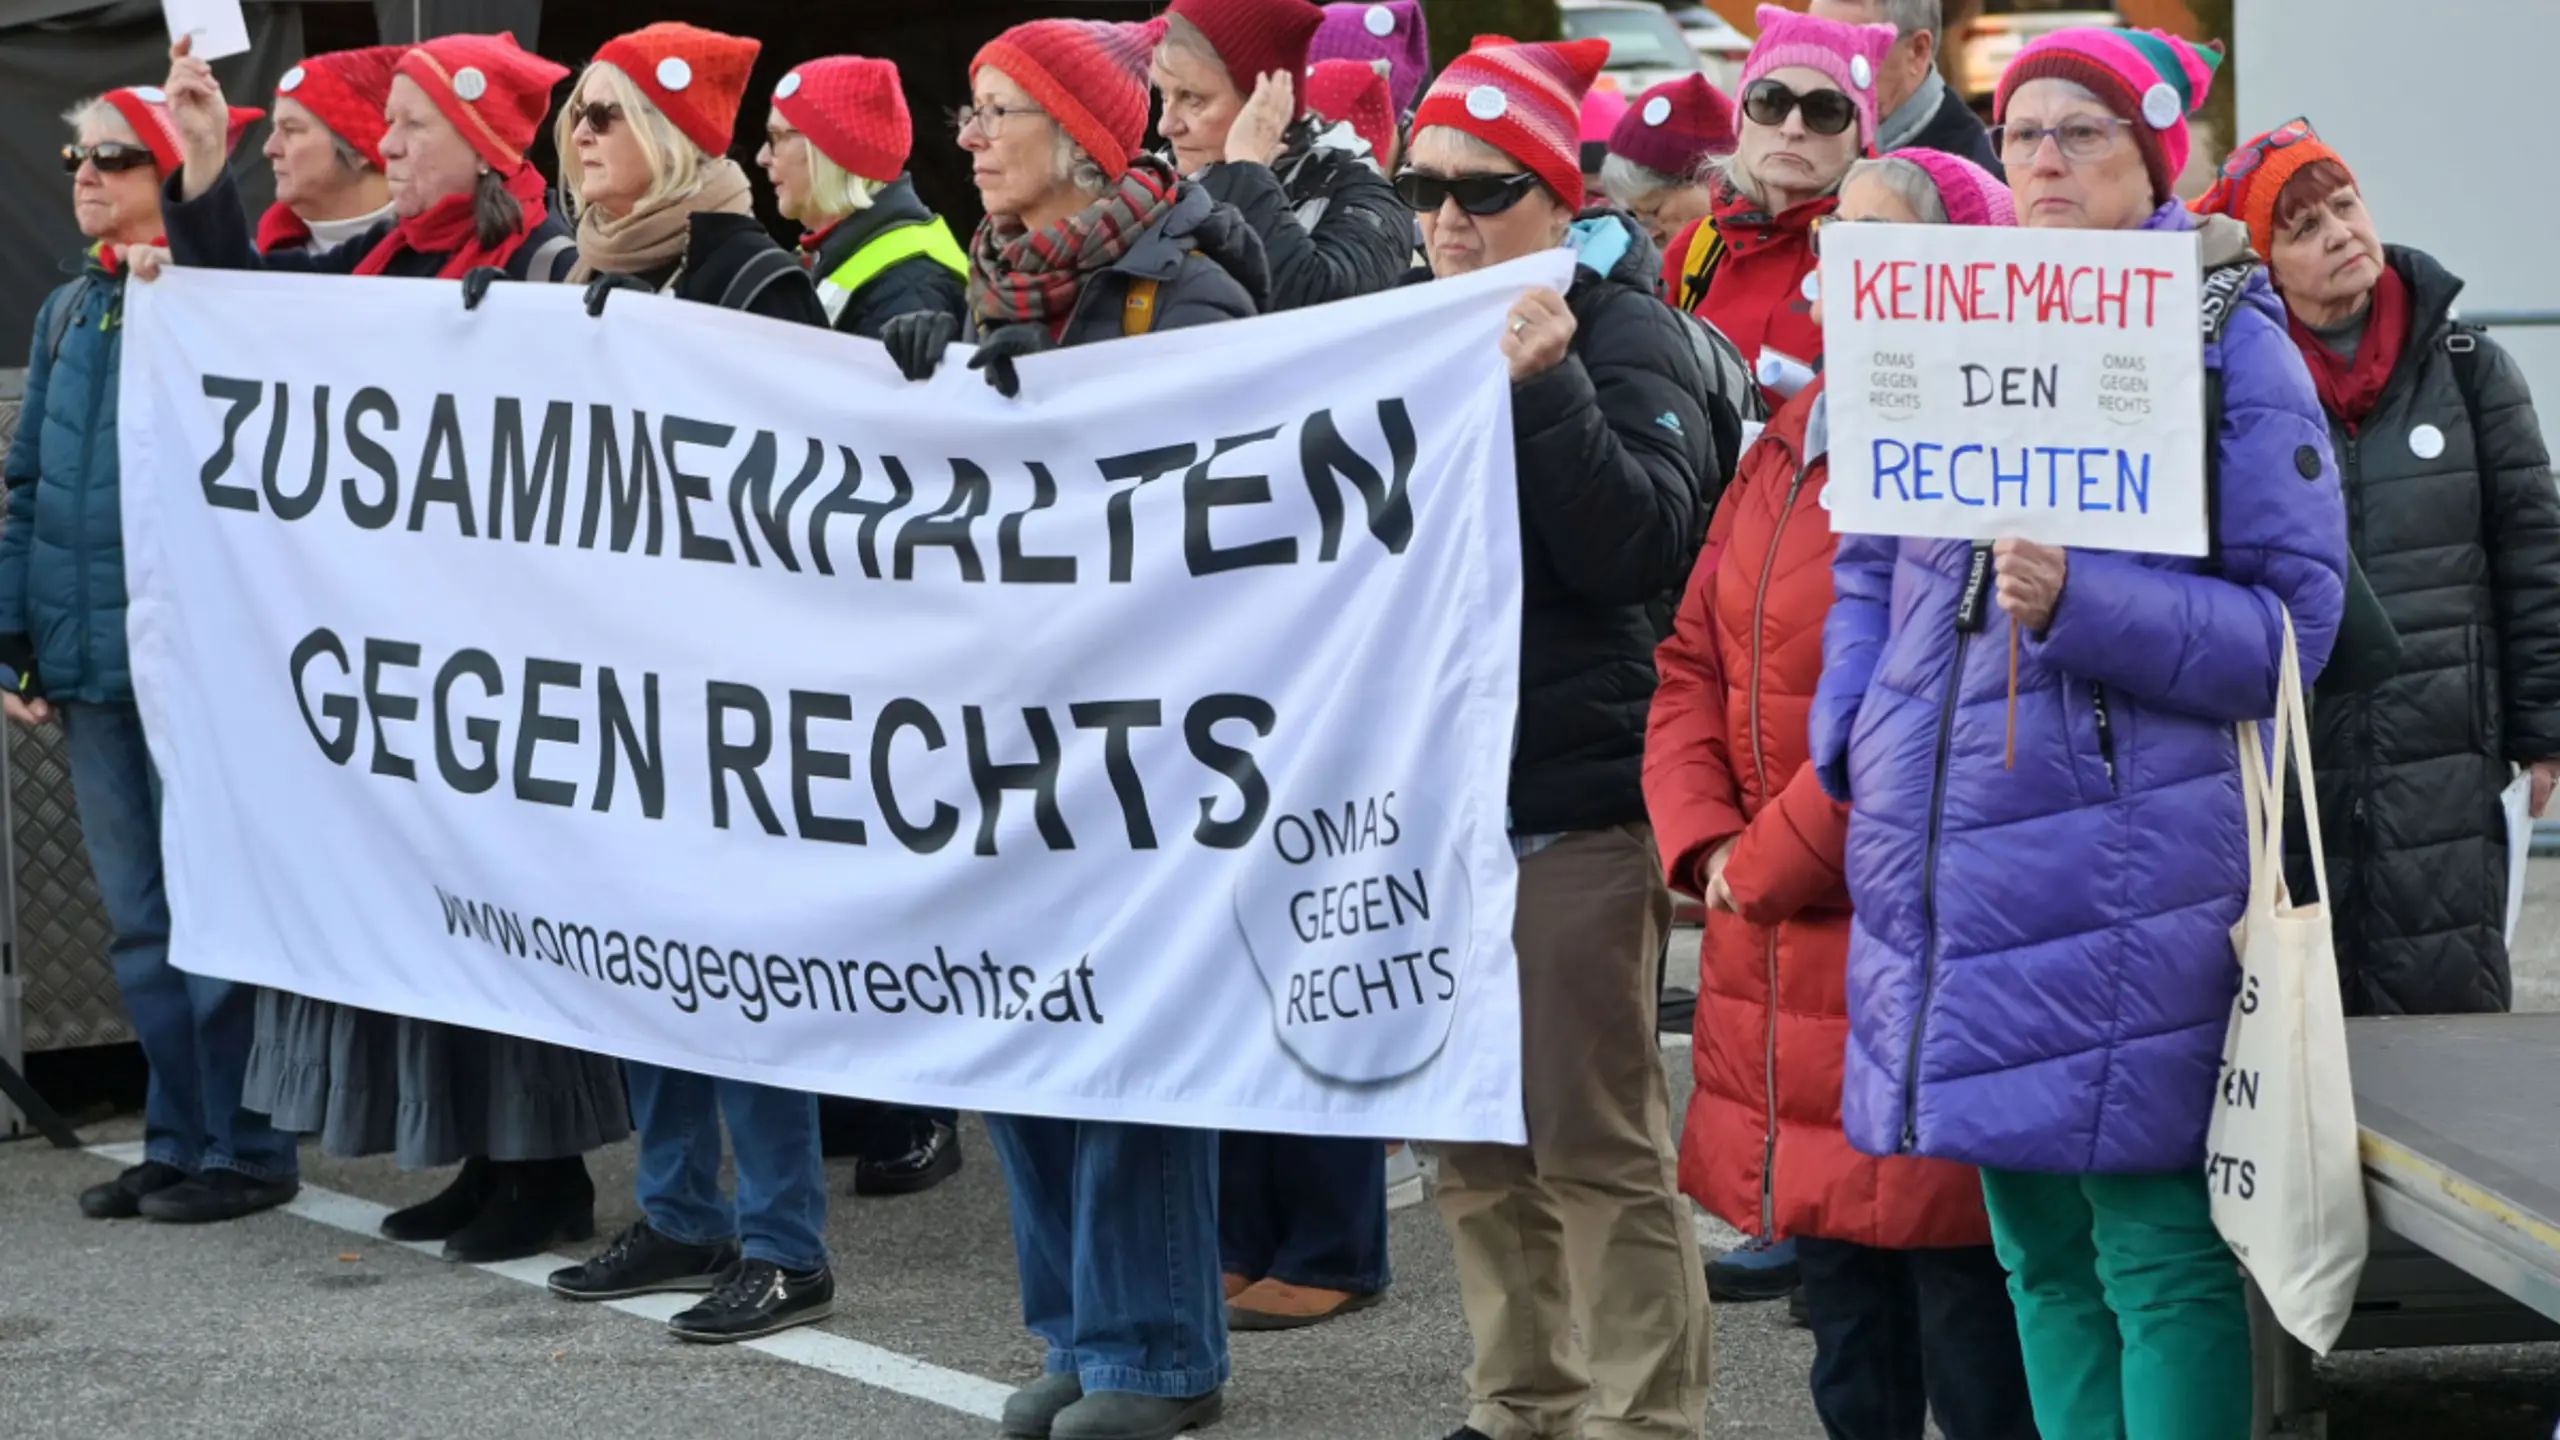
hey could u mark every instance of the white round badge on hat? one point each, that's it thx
(1861, 74)
(2426, 442)
(469, 83)
(291, 82)
(1380, 21)
(1487, 103)
(2161, 106)
(151, 94)
(674, 74)
(789, 87)
(1657, 110)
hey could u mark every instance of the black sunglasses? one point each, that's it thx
(1475, 194)
(1826, 112)
(599, 118)
(113, 157)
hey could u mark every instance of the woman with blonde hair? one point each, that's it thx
(836, 150)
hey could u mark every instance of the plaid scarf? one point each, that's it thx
(1019, 276)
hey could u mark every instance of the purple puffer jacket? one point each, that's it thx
(2041, 969)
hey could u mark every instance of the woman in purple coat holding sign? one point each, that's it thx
(2041, 968)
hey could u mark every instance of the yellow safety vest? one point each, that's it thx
(931, 240)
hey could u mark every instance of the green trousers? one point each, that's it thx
(2130, 1309)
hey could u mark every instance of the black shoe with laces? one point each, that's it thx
(932, 1157)
(121, 1198)
(758, 1298)
(443, 1215)
(216, 1195)
(640, 1261)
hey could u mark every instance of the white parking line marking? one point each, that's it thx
(811, 1348)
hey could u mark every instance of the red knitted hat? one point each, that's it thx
(1256, 37)
(1524, 100)
(493, 90)
(346, 90)
(1356, 93)
(697, 77)
(1676, 127)
(853, 110)
(1090, 75)
(146, 109)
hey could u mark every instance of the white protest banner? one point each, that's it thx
(689, 687)
(2047, 384)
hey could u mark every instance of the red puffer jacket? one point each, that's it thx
(1758, 296)
(1727, 755)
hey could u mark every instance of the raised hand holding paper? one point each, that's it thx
(2045, 384)
(217, 26)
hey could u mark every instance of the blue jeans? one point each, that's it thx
(1304, 1211)
(1900, 1335)
(1115, 1231)
(195, 1030)
(781, 1211)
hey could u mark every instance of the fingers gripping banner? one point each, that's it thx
(692, 688)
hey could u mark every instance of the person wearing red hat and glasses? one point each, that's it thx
(1662, 153)
(661, 208)
(326, 147)
(1615, 451)
(206, 1156)
(1088, 240)
(1232, 74)
(518, 1115)
(836, 149)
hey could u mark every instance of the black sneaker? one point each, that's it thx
(456, 1205)
(121, 1198)
(758, 1298)
(933, 1158)
(216, 1195)
(640, 1261)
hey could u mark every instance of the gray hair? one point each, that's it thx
(1474, 147)
(1074, 165)
(1910, 17)
(1628, 182)
(1184, 37)
(349, 157)
(1907, 181)
(93, 108)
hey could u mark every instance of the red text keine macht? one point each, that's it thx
(1986, 292)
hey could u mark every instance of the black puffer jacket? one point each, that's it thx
(919, 282)
(1329, 221)
(1203, 257)
(722, 247)
(2463, 547)
(1615, 453)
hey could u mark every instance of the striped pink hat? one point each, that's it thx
(1524, 100)
(2150, 78)
(1852, 55)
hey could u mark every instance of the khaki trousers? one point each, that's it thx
(1585, 1226)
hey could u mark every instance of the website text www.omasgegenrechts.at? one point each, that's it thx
(760, 983)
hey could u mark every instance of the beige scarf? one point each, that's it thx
(654, 236)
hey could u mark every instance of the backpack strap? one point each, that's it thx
(2462, 342)
(1698, 271)
(756, 276)
(551, 260)
(1138, 315)
(64, 313)
(2219, 299)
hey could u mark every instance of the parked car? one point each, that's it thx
(1716, 39)
(1992, 41)
(1646, 46)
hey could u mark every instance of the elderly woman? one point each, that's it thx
(518, 1115)
(325, 145)
(62, 602)
(1661, 155)
(836, 150)
(660, 207)
(1908, 1303)
(2451, 513)
(1610, 429)
(2041, 968)
(1232, 74)
(1114, 1225)
(1808, 110)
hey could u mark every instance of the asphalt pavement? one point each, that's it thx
(305, 1324)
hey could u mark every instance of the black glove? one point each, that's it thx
(19, 654)
(604, 285)
(997, 354)
(917, 339)
(476, 282)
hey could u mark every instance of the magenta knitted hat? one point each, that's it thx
(2148, 77)
(1972, 195)
(1852, 55)
(1392, 31)
(1676, 127)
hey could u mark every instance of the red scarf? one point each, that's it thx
(811, 240)
(2351, 386)
(281, 229)
(448, 228)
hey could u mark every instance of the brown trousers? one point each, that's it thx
(1585, 1226)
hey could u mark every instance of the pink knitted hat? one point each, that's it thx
(1852, 55)
(1972, 195)
(2148, 77)
(1393, 31)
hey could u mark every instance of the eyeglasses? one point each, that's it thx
(2249, 157)
(1475, 194)
(990, 118)
(1826, 112)
(599, 117)
(2082, 137)
(112, 157)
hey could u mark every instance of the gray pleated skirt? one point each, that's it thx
(429, 1094)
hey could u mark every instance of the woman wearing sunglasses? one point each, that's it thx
(2452, 513)
(1612, 438)
(2042, 969)
(206, 1156)
(1808, 110)
(1908, 1304)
